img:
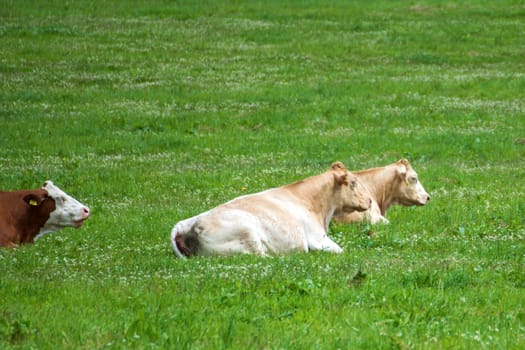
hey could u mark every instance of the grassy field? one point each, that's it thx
(153, 111)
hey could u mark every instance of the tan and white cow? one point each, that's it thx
(290, 218)
(394, 184)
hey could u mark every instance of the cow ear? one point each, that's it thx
(341, 178)
(338, 166)
(341, 174)
(33, 200)
(403, 162)
(402, 170)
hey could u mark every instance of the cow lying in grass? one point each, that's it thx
(26, 215)
(390, 185)
(290, 218)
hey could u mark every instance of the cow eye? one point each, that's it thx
(353, 184)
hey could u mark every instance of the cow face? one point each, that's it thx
(68, 211)
(354, 195)
(409, 189)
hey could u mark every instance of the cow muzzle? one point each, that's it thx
(85, 215)
(423, 200)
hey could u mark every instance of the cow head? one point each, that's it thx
(68, 212)
(409, 189)
(354, 195)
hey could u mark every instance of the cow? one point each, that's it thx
(280, 220)
(393, 184)
(27, 215)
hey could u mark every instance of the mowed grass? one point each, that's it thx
(152, 112)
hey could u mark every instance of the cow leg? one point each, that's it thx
(377, 219)
(322, 242)
(331, 246)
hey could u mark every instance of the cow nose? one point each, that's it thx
(428, 199)
(85, 212)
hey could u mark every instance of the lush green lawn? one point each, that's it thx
(153, 111)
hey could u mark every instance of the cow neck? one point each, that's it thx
(317, 193)
(29, 226)
(45, 227)
(380, 183)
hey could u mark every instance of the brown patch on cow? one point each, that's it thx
(187, 245)
(23, 214)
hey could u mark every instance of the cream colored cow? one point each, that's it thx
(393, 184)
(290, 218)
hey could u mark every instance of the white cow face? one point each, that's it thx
(68, 211)
(409, 190)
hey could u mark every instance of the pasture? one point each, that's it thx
(150, 112)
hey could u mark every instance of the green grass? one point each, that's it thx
(154, 111)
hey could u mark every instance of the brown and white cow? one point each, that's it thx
(393, 184)
(293, 217)
(27, 215)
